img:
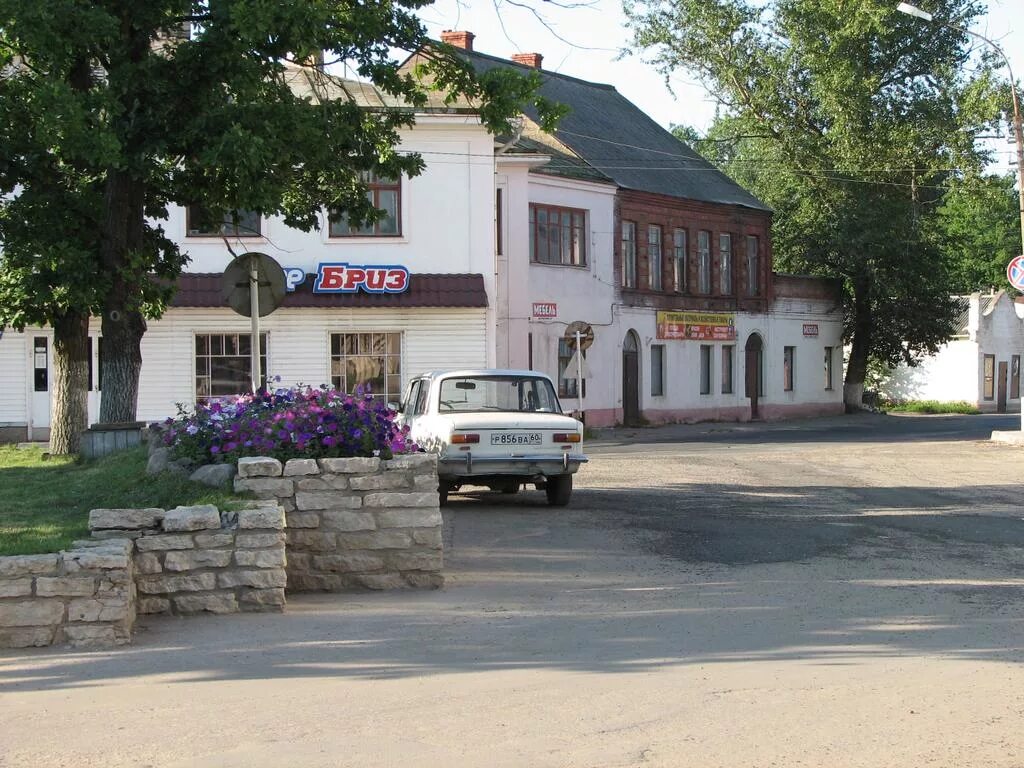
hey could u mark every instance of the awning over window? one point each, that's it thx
(425, 290)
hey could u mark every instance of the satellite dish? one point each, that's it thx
(585, 331)
(270, 281)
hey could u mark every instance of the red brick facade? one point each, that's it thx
(671, 213)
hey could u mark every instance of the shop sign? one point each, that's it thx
(545, 309)
(697, 326)
(352, 278)
(810, 329)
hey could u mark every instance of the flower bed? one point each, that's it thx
(300, 422)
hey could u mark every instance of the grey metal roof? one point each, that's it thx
(616, 138)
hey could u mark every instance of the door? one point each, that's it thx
(41, 365)
(631, 380)
(753, 376)
(1001, 388)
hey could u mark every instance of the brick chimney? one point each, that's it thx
(458, 38)
(528, 59)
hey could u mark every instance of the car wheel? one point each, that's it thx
(559, 489)
(510, 488)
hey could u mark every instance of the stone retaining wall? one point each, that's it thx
(356, 522)
(194, 559)
(84, 596)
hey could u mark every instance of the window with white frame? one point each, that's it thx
(704, 261)
(371, 362)
(725, 263)
(223, 364)
(679, 259)
(753, 266)
(629, 254)
(654, 262)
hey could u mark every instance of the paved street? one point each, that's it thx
(840, 592)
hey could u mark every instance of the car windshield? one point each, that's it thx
(521, 394)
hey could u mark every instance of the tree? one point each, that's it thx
(978, 227)
(849, 120)
(113, 110)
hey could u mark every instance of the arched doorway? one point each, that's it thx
(631, 379)
(754, 372)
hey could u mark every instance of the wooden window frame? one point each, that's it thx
(375, 185)
(753, 265)
(578, 235)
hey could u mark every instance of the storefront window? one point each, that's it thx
(372, 361)
(223, 363)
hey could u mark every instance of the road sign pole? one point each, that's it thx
(579, 375)
(254, 307)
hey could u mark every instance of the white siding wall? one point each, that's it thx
(14, 378)
(298, 347)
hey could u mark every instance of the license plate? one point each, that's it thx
(515, 438)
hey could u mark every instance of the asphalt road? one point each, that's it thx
(846, 592)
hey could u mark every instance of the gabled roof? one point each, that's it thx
(619, 141)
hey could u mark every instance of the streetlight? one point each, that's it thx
(1018, 128)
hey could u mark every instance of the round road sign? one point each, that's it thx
(585, 331)
(1015, 273)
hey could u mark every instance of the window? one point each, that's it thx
(200, 223)
(567, 376)
(370, 361)
(704, 261)
(727, 356)
(558, 235)
(385, 194)
(1015, 376)
(679, 259)
(828, 367)
(990, 376)
(753, 266)
(529, 351)
(657, 369)
(416, 400)
(654, 256)
(725, 263)
(487, 394)
(629, 254)
(223, 363)
(705, 369)
(40, 362)
(788, 355)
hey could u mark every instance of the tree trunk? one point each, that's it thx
(860, 345)
(123, 323)
(70, 415)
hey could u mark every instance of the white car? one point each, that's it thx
(495, 428)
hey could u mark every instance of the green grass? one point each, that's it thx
(45, 503)
(931, 406)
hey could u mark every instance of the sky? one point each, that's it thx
(586, 42)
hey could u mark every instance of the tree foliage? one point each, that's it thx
(113, 110)
(850, 120)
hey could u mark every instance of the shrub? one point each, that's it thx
(301, 422)
(930, 406)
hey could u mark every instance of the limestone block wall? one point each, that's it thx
(354, 522)
(195, 559)
(83, 596)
